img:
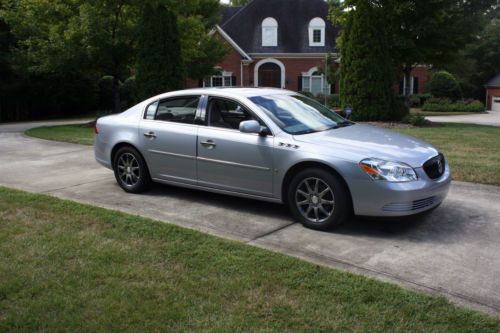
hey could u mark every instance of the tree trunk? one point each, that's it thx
(116, 95)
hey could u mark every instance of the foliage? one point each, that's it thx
(158, 66)
(443, 85)
(367, 81)
(55, 46)
(417, 100)
(238, 3)
(415, 120)
(446, 105)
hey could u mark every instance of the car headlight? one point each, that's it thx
(387, 170)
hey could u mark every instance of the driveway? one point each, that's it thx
(491, 118)
(452, 252)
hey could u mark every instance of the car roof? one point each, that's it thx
(230, 91)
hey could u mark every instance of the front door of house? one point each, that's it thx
(270, 75)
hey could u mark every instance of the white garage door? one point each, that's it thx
(496, 104)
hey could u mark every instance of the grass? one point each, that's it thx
(473, 151)
(66, 266)
(438, 113)
(64, 133)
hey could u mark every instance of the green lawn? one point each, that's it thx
(71, 267)
(473, 151)
(65, 133)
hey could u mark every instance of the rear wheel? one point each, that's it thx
(318, 199)
(131, 171)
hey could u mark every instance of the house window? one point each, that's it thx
(221, 79)
(317, 32)
(269, 32)
(413, 85)
(315, 83)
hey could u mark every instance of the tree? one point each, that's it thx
(367, 72)
(159, 64)
(431, 31)
(239, 3)
(444, 85)
(424, 31)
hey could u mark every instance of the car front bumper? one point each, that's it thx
(386, 199)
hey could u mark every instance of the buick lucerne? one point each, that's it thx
(274, 145)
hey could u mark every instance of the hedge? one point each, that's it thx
(446, 105)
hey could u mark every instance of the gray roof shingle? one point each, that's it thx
(293, 16)
(494, 82)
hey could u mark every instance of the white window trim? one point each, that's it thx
(317, 23)
(412, 82)
(326, 87)
(223, 75)
(270, 24)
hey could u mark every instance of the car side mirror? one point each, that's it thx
(250, 126)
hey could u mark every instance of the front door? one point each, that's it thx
(270, 75)
(231, 160)
(169, 138)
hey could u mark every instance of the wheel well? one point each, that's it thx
(306, 165)
(120, 145)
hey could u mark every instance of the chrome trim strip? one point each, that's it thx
(171, 154)
(233, 164)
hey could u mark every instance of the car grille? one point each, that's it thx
(434, 168)
(409, 206)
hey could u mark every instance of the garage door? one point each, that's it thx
(496, 104)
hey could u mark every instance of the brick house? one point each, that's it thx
(284, 44)
(493, 94)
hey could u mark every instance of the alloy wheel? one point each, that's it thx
(315, 199)
(128, 169)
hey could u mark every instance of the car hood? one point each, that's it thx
(363, 141)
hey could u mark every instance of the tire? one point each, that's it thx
(131, 171)
(319, 199)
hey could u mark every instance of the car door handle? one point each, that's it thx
(150, 135)
(209, 144)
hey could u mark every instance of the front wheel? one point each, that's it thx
(131, 171)
(319, 199)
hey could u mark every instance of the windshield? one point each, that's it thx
(297, 114)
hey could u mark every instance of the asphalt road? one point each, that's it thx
(454, 251)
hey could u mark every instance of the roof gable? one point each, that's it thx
(293, 16)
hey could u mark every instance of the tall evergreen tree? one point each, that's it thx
(159, 63)
(367, 72)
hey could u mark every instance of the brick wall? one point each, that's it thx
(491, 92)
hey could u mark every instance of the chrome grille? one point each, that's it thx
(434, 168)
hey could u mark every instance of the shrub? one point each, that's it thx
(445, 105)
(415, 120)
(334, 101)
(417, 100)
(444, 84)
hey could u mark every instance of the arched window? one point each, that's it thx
(269, 32)
(317, 32)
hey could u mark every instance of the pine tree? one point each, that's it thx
(367, 72)
(159, 66)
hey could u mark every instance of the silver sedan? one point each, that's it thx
(272, 145)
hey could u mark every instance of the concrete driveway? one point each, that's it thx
(491, 118)
(452, 252)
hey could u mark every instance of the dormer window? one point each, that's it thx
(269, 32)
(317, 32)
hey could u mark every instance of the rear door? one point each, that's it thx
(169, 138)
